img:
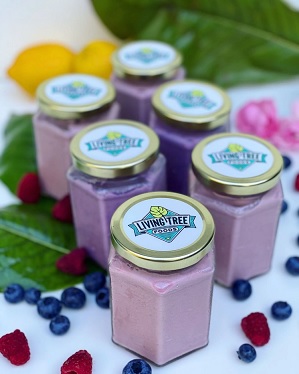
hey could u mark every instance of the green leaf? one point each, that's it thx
(228, 42)
(18, 156)
(30, 244)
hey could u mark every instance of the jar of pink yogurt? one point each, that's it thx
(161, 269)
(112, 162)
(67, 104)
(139, 68)
(185, 112)
(237, 177)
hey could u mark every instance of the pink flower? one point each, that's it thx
(287, 137)
(258, 118)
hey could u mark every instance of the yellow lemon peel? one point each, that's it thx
(38, 63)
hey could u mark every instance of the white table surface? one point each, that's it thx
(91, 326)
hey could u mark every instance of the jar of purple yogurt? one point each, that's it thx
(139, 68)
(237, 177)
(112, 162)
(67, 104)
(161, 269)
(185, 112)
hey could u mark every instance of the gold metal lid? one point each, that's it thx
(192, 104)
(146, 59)
(112, 149)
(237, 164)
(73, 96)
(162, 231)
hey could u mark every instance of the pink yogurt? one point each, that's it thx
(67, 105)
(237, 179)
(107, 171)
(139, 69)
(161, 269)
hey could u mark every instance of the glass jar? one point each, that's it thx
(185, 112)
(139, 68)
(237, 177)
(112, 162)
(161, 270)
(67, 104)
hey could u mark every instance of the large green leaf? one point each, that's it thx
(30, 243)
(18, 156)
(229, 42)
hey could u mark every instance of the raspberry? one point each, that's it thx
(297, 182)
(28, 189)
(73, 262)
(62, 210)
(79, 363)
(15, 348)
(255, 327)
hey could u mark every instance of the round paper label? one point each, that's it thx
(114, 143)
(191, 98)
(162, 224)
(76, 89)
(237, 157)
(146, 55)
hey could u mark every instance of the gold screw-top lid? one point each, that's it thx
(112, 149)
(146, 59)
(74, 96)
(237, 164)
(162, 231)
(192, 104)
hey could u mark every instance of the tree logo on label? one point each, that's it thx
(147, 55)
(76, 90)
(192, 99)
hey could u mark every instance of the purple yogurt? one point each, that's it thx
(67, 104)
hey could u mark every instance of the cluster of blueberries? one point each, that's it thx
(50, 307)
(280, 310)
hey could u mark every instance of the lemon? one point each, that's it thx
(38, 63)
(95, 59)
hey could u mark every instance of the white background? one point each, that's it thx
(25, 22)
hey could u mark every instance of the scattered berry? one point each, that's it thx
(32, 295)
(94, 281)
(281, 310)
(286, 162)
(28, 189)
(246, 353)
(284, 207)
(73, 298)
(292, 265)
(49, 307)
(59, 325)
(62, 210)
(14, 293)
(241, 289)
(297, 182)
(15, 348)
(73, 262)
(255, 327)
(137, 366)
(79, 363)
(102, 298)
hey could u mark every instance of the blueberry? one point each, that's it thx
(32, 295)
(73, 298)
(292, 265)
(286, 162)
(49, 307)
(103, 298)
(241, 289)
(94, 281)
(281, 310)
(14, 293)
(246, 353)
(59, 325)
(284, 207)
(137, 366)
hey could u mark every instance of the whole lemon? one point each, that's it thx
(38, 63)
(95, 59)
